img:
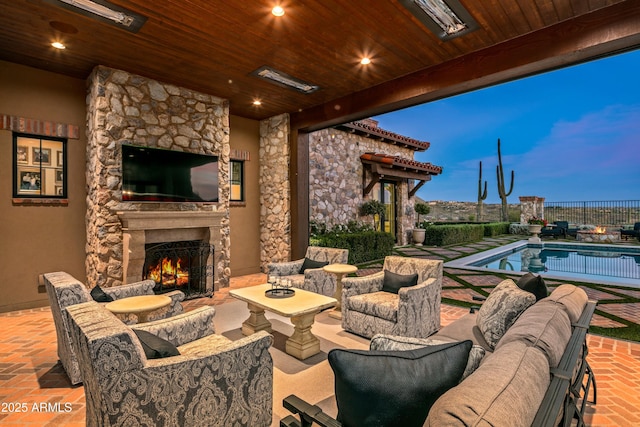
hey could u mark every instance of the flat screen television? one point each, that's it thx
(157, 175)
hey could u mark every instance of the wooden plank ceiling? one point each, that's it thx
(214, 46)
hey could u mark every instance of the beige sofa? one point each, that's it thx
(515, 380)
(536, 374)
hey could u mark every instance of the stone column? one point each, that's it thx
(275, 214)
(531, 206)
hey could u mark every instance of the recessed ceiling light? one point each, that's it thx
(257, 102)
(277, 10)
(365, 61)
(58, 45)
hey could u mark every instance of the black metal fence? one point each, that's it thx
(615, 212)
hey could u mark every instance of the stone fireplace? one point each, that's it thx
(142, 228)
(123, 108)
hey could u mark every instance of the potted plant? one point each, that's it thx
(418, 233)
(535, 225)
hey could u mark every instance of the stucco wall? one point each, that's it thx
(245, 217)
(40, 239)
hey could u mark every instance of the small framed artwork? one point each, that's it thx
(30, 180)
(59, 158)
(41, 155)
(59, 173)
(22, 154)
(58, 189)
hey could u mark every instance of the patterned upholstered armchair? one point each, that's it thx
(413, 312)
(64, 290)
(212, 382)
(314, 279)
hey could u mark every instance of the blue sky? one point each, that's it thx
(569, 135)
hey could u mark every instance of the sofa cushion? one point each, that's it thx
(533, 283)
(309, 263)
(572, 298)
(545, 326)
(394, 388)
(378, 304)
(397, 343)
(465, 328)
(506, 390)
(392, 282)
(501, 309)
(99, 295)
(155, 347)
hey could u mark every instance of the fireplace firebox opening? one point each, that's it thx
(184, 265)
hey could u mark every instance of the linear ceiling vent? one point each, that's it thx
(447, 19)
(283, 79)
(105, 12)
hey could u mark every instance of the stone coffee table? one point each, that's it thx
(300, 308)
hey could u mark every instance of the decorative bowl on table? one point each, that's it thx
(280, 287)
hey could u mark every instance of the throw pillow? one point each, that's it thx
(155, 347)
(99, 295)
(535, 284)
(392, 282)
(501, 309)
(398, 343)
(394, 388)
(309, 263)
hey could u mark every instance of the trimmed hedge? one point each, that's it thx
(363, 246)
(496, 228)
(444, 235)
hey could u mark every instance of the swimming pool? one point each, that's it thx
(607, 264)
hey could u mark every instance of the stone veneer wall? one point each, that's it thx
(127, 108)
(531, 206)
(335, 179)
(275, 214)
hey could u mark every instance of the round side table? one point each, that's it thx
(340, 270)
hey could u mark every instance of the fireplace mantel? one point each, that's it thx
(143, 227)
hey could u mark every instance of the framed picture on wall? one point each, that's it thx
(30, 180)
(41, 155)
(33, 158)
(22, 154)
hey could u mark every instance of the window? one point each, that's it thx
(39, 167)
(237, 181)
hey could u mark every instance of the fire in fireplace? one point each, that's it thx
(185, 265)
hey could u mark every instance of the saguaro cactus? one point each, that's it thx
(481, 195)
(501, 189)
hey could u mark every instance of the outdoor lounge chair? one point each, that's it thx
(370, 306)
(307, 273)
(64, 291)
(559, 229)
(635, 232)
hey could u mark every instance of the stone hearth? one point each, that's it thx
(588, 236)
(143, 227)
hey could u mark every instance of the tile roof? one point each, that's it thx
(369, 129)
(396, 162)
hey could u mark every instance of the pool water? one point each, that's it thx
(592, 263)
